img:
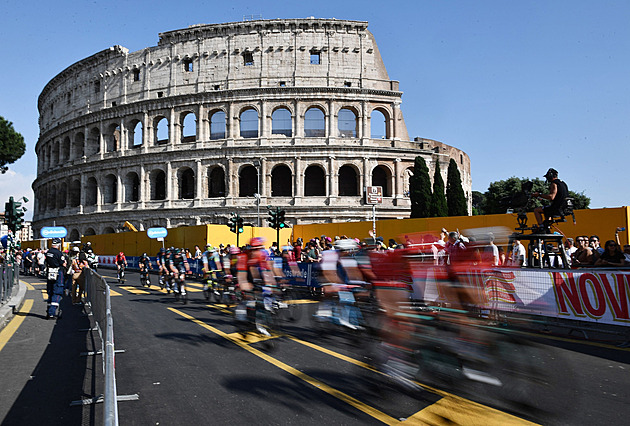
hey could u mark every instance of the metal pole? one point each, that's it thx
(374, 220)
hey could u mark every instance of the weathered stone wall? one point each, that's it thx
(139, 136)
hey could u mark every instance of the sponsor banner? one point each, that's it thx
(601, 296)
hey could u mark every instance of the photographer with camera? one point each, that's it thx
(558, 193)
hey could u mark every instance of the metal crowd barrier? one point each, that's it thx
(9, 277)
(98, 302)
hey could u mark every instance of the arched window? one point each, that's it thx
(89, 231)
(217, 125)
(62, 196)
(112, 138)
(42, 201)
(74, 195)
(161, 131)
(314, 181)
(158, 185)
(347, 123)
(382, 177)
(281, 123)
(94, 142)
(348, 182)
(78, 146)
(65, 150)
(186, 183)
(135, 134)
(216, 183)
(91, 192)
(52, 197)
(249, 123)
(110, 189)
(378, 125)
(281, 182)
(314, 123)
(74, 235)
(55, 155)
(108, 230)
(132, 187)
(189, 128)
(248, 182)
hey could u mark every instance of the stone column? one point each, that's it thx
(264, 179)
(333, 177)
(231, 124)
(101, 141)
(142, 192)
(202, 124)
(172, 130)
(199, 182)
(86, 136)
(169, 184)
(264, 120)
(398, 183)
(299, 178)
(395, 124)
(298, 120)
(119, 189)
(83, 192)
(366, 172)
(123, 138)
(331, 131)
(146, 132)
(229, 185)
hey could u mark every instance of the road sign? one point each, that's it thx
(374, 195)
(157, 232)
(53, 232)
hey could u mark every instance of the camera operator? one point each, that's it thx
(558, 192)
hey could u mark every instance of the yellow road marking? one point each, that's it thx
(8, 331)
(251, 337)
(377, 414)
(45, 294)
(114, 293)
(39, 283)
(300, 301)
(28, 286)
(134, 290)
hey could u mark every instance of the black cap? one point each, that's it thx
(551, 173)
(56, 241)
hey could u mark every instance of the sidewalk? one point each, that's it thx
(8, 310)
(41, 362)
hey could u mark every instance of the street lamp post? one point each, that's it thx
(257, 164)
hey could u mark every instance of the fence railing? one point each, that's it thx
(9, 277)
(99, 303)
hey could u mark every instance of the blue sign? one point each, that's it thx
(53, 232)
(157, 232)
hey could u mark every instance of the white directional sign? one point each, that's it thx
(157, 232)
(53, 232)
(374, 195)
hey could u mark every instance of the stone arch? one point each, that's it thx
(248, 122)
(348, 181)
(379, 124)
(186, 183)
(281, 181)
(315, 122)
(74, 235)
(282, 122)
(112, 137)
(65, 150)
(217, 124)
(108, 230)
(160, 124)
(91, 191)
(382, 176)
(247, 181)
(74, 193)
(188, 122)
(78, 145)
(42, 198)
(135, 132)
(157, 179)
(62, 196)
(52, 197)
(314, 181)
(216, 182)
(55, 154)
(131, 187)
(94, 141)
(347, 123)
(110, 189)
(89, 231)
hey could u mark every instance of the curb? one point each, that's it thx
(13, 305)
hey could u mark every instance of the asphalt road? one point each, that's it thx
(190, 365)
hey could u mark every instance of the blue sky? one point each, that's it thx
(520, 86)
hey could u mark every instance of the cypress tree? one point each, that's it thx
(438, 200)
(420, 189)
(455, 198)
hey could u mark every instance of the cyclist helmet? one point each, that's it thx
(177, 251)
(346, 245)
(121, 254)
(162, 250)
(144, 255)
(256, 243)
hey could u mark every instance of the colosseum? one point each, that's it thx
(222, 118)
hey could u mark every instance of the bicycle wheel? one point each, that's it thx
(288, 308)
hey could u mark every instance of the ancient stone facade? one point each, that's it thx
(300, 111)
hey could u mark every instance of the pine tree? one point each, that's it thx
(420, 189)
(455, 198)
(438, 200)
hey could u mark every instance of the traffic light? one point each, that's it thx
(273, 218)
(236, 224)
(280, 216)
(239, 224)
(232, 223)
(9, 214)
(18, 214)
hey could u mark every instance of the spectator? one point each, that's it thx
(519, 255)
(197, 252)
(612, 255)
(569, 247)
(583, 256)
(491, 252)
(626, 254)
